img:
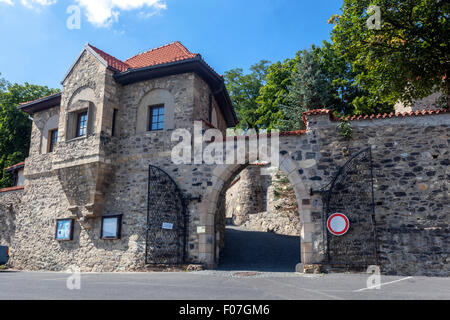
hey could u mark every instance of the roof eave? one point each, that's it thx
(15, 168)
(41, 104)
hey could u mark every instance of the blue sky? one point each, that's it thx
(37, 46)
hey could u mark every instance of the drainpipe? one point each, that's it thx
(211, 95)
(210, 107)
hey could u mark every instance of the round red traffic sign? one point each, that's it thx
(338, 224)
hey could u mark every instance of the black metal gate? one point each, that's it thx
(166, 220)
(351, 193)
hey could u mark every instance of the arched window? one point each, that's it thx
(81, 114)
(156, 111)
(50, 135)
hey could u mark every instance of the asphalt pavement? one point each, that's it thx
(215, 285)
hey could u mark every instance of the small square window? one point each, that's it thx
(156, 122)
(64, 230)
(111, 227)
(81, 124)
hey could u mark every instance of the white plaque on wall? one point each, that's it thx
(167, 226)
(201, 229)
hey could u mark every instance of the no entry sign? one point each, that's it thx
(338, 224)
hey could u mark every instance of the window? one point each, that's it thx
(156, 122)
(111, 227)
(64, 230)
(53, 140)
(113, 130)
(81, 124)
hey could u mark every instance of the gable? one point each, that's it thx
(88, 50)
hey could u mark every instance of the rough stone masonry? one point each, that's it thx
(105, 171)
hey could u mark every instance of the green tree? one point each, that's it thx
(347, 96)
(244, 91)
(309, 89)
(275, 94)
(15, 126)
(407, 58)
(341, 80)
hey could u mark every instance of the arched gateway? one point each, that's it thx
(311, 245)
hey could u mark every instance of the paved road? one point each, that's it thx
(259, 251)
(217, 285)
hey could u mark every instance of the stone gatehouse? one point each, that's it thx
(101, 191)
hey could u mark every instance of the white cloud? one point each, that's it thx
(41, 2)
(31, 3)
(103, 13)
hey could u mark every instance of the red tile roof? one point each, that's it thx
(169, 53)
(317, 112)
(111, 61)
(19, 165)
(396, 115)
(375, 116)
(43, 98)
(12, 189)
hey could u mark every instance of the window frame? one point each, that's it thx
(79, 114)
(118, 229)
(150, 117)
(72, 223)
(51, 143)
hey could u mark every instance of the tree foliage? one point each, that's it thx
(407, 58)
(309, 89)
(363, 71)
(15, 126)
(275, 94)
(244, 91)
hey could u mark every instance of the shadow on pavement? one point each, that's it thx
(259, 251)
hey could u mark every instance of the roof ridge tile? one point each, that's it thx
(111, 60)
(168, 53)
(385, 115)
(150, 50)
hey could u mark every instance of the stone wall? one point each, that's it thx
(63, 184)
(263, 203)
(10, 204)
(411, 157)
(245, 197)
(427, 103)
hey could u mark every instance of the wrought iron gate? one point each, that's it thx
(351, 193)
(166, 220)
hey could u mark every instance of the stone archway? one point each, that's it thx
(311, 235)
